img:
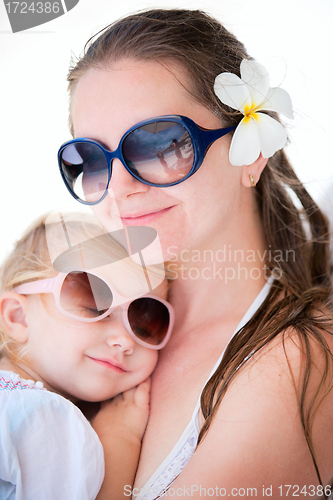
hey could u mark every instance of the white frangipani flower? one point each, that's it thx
(257, 132)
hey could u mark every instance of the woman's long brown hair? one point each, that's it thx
(292, 222)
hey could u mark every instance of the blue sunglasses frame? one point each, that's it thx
(201, 139)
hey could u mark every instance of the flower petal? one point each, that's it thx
(245, 144)
(230, 89)
(272, 134)
(278, 100)
(257, 79)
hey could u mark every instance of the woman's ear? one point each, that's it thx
(13, 308)
(251, 173)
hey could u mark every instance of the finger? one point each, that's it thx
(142, 393)
(129, 394)
(112, 401)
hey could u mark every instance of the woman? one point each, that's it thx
(243, 258)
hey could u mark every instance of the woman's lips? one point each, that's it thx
(113, 365)
(142, 219)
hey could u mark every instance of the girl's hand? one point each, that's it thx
(126, 415)
(120, 425)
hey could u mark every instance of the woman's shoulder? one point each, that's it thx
(283, 396)
(300, 346)
(288, 361)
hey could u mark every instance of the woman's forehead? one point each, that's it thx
(113, 99)
(133, 73)
(127, 84)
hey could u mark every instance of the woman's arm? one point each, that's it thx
(120, 425)
(256, 445)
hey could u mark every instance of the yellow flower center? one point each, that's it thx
(250, 112)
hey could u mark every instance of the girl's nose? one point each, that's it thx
(117, 336)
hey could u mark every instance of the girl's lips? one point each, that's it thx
(142, 219)
(113, 365)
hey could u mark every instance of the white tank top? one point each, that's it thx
(183, 450)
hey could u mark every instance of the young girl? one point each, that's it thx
(66, 337)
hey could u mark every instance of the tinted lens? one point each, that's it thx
(85, 170)
(149, 320)
(85, 295)
(160, 152)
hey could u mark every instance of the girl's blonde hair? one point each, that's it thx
(30, 261)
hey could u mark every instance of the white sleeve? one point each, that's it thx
(52, 450)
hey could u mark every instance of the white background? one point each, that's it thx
(292, 39)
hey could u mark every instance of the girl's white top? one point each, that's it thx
(181, 453)
(48, 449)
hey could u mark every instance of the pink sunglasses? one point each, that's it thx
(88, 297)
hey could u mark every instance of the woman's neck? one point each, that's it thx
(223, 277)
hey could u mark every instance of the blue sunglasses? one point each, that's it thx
(159, 152)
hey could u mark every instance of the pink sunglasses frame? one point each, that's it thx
(53, 285)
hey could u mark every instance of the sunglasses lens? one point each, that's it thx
(160, 152)
(85, 295)
(149, 319)
(85, 170)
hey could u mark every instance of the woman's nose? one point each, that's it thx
(122, 183)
